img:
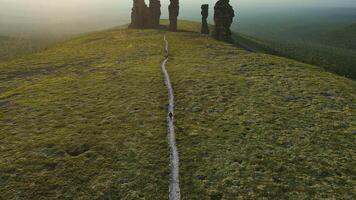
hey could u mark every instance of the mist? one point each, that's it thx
(67, 17)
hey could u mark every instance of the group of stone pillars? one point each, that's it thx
(143, 16)
(223, 18)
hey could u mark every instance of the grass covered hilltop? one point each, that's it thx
(85, 119)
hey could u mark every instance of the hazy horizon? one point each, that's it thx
(81, 16)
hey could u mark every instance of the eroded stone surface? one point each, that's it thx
(223, 18)
(139, 14)
(205, 14)
(155, 13)
(173, 14)
(143, 16)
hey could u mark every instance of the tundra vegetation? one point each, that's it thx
(324, 37)
(85, 119)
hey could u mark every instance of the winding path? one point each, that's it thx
(174, 190)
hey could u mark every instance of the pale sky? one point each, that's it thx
(108, 13)
(63, 10)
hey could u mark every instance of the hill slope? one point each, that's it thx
(345, 36)
(331, 54)
(86, 120)
(11, 47)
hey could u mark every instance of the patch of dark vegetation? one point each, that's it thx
(293, 98)
(46, 70)
(50, 166)
(54, 152)
(77, 150)
(327, 94)
(22, 74)
(215, 195)
(5, 104)
(110, 195)
(201, 177)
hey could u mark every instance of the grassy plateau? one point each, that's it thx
(85, 119)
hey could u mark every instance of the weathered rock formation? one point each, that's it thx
(155, 13)
(173, 14)
(145, 17)
(139, 14)
(223, 17)
(204, 23)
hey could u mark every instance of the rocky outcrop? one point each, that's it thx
(139, 14)
(155, 13)
(204, 23)
(145, 17)
(223, 18)
(173, 14)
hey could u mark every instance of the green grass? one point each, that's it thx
(254, 126)
(86, 120)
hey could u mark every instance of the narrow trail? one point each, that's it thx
(247, 48)
(174, 190)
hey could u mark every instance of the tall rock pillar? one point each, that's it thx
(223, 18)
(139, 14)
(173, 14)
(155, 13)
(204, 23)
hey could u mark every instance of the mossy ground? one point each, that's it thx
(255, 126)
(86, 120)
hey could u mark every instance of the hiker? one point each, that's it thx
(170, 115)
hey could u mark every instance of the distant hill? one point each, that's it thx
(319, 36)
(86, 119)
(350, 30)
(334, 52)
(345, 36)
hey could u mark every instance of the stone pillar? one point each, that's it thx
(173, 14)
(204, 23)
(139, 14)
(133, 14)
(155, 13)
(223, 18)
